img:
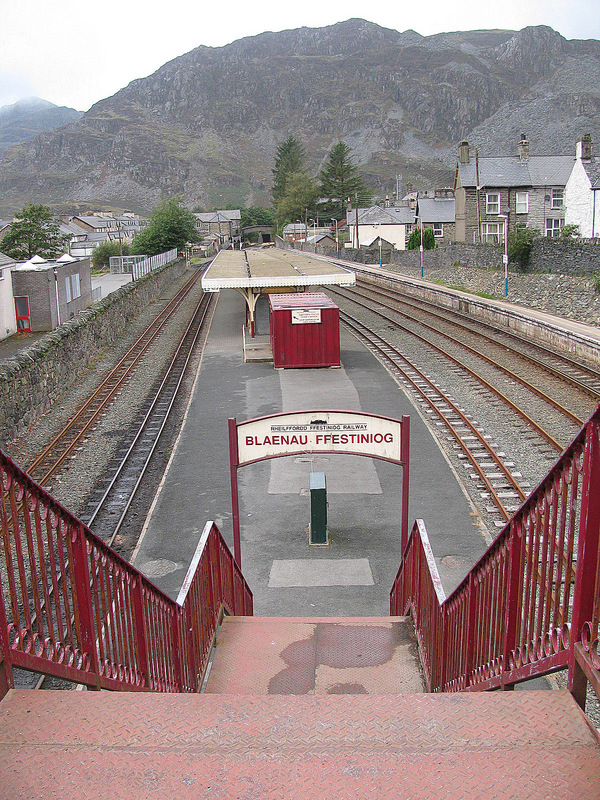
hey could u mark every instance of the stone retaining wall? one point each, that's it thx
(31, 382)
(559, 256)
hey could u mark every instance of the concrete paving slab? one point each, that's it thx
(320, 572)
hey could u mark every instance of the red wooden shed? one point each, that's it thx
(305, 330)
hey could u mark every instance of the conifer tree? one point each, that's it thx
(340, 180)
(289, 159)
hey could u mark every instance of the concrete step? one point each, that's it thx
(322, 655)
(534, 745)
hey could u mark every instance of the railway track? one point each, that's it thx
(126, 474)
(495, 477)
(54, 456)
(527, 400)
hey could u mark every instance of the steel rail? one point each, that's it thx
(49, 461)
(492, 362)
(392, 356)
(500, 395)
(117, 496)
(466, 322)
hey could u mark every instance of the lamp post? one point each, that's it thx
(505, 216)
(337, 241)
(380, 254)
(420, 221)
(301, 233)
(315, 234)
(313, 224)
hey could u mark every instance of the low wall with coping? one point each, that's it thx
(32, 381)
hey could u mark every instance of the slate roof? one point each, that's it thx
(510, 171)
(375, 215)
(433, 209)
(229, 215)
(5, 260)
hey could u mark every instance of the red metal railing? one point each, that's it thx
(531, 605)
(72, 608)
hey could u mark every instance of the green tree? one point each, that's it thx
(414, 240)
(570, 231)
(289, 159)
(520, 242)
(340, 180)
(170, 225)
(34, 232)
(301, 194)
(102, 253)
(255, 215)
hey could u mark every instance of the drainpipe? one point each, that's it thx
(56, 293)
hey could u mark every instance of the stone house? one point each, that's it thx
(48, 293)
(582, 196)
(523, 189)
(438, 212)
(225, 225)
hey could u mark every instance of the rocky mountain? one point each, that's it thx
(207, 124)
(30, 116)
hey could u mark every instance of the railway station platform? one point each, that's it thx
(352, 576)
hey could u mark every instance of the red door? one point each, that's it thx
(22, 312)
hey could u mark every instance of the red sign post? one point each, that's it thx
(306, 432)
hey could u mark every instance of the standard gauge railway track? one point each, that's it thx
(126, 475)
(560, 423)
(494, 477)
(62, 446)
(573, 372)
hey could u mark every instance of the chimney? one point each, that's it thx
(387, 201)
(585, 147)
(523, 148)
(463, 153)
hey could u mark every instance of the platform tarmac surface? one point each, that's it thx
(353, 575)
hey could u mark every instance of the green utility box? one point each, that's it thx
(318, 509)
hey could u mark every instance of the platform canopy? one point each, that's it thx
(255, 272)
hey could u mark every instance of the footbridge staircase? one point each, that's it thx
(209, 701)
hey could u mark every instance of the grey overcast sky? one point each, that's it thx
(74, 53)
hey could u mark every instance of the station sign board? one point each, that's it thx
(319, 432)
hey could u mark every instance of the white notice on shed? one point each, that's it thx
(306, 316)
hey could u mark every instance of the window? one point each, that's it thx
(522, 202)
(72, 287)
(553, 227)
(492, 203)
(438, 229)
(68, 288)
(557, 198)
(492, 232)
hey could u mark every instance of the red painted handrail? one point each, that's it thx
(531, 605)
(72, 608)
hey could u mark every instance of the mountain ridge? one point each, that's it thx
(206, 125)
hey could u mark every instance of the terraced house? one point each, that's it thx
(516, 190)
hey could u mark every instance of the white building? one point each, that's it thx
(582, 195)
(390, 223)
(8, 319)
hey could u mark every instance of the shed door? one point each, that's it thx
(22, 313)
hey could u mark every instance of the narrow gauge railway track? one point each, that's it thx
(54, 456)
(564, 420)
(497, 480)
(127, 473)
(582, 377)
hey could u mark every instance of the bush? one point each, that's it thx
(414, 240)
(520, 242)
(102, 253)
